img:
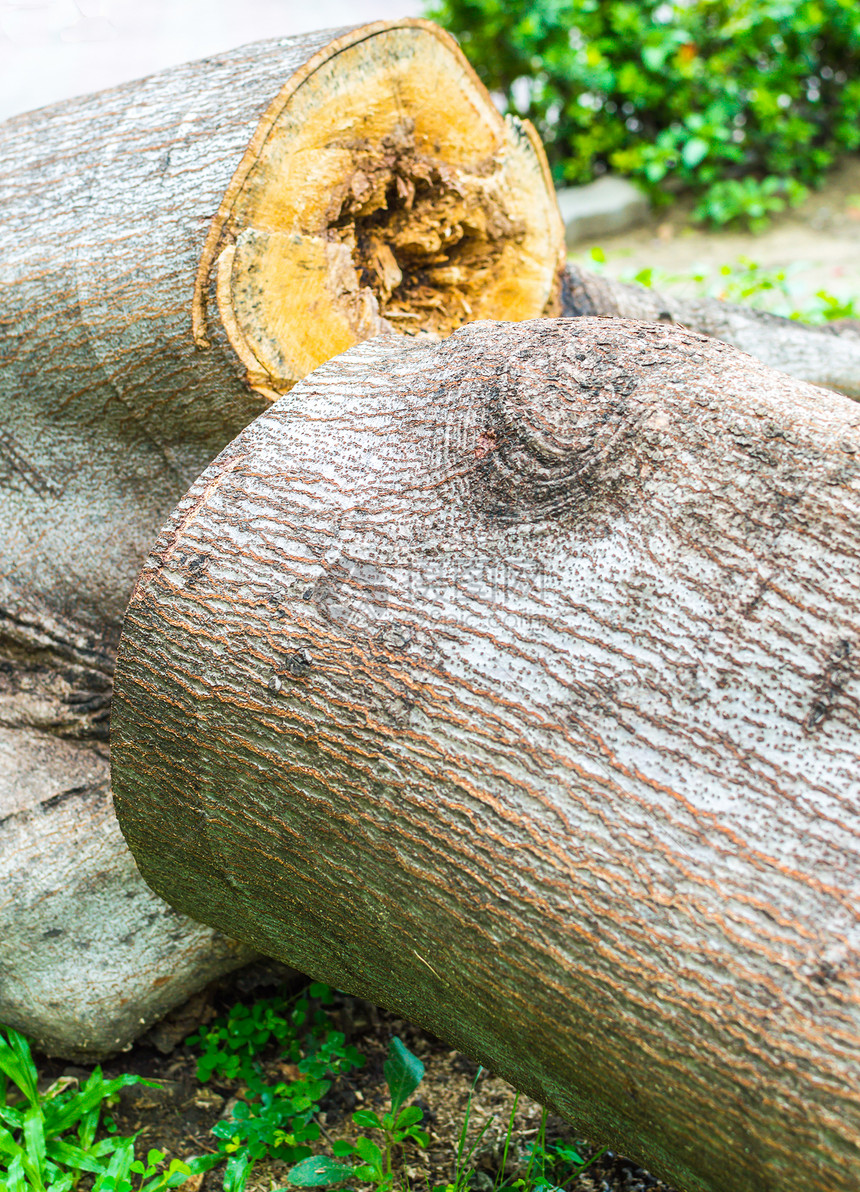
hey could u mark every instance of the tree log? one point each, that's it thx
(329, 157)
(827, 355)
(512, 683)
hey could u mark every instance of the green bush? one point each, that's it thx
(681, 94)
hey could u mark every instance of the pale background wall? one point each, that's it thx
(53, 49)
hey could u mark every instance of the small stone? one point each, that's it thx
(601, 208)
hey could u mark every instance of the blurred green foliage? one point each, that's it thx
(744, 102)
(783, 292)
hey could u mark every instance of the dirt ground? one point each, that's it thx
(819, 240)
(177, 1117)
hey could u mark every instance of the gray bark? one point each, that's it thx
(109, 412)
(116, 390)
(512, 683)
(827, 355)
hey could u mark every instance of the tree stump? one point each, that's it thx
(366, 179)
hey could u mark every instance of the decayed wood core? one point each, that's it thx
(383, 193)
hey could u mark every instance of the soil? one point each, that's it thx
(177, 1117)
(819, 240)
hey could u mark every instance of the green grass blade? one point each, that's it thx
(500, 1175)
(87, 1127)
(8, 1145)
(480, 1136)
(65, 1154)
(62, 1184)
(115, 1177)
(12, 1117)
(17, 1065)
(461, 1144)
(91, 1095)
(34, 1137)
(16, 1181)
(236, 1173)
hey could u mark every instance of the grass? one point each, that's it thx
(779, 291)
(54, 1138)
(50, 1140)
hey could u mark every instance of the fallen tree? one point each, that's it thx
(827, 355)
(136, 228)
(177, 252)
(512, 683)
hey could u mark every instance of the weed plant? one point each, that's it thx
(547, 1168)
(273, 1121)
(779, 291)
(52, 1139)
(49, 1140)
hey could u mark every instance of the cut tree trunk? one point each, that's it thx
(512, 683)
(278, 203)
(828, 355)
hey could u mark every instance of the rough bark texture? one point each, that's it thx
(90, 957)
(513, 683)
(112, 208)
(109, 411)
(827, 355)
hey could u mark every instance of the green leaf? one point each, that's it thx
(694, 151)
(115, 1177)
(367, 1119)
(236, 1172)
(34, 1138)
(410, 1116)
(342, 1147)
(403, 1073)
(8, 1145)
(319, 1172)
(62, 1183)
(654, 57)
(15, 1178)
(67, 1155)
(16, 1063)
(367, 1150)
(58, 1119)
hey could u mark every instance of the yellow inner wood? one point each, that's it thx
(389, 196)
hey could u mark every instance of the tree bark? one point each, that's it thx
(132, 224)
(827, 355)
(512, 683)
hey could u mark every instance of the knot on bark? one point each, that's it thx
(558, 419)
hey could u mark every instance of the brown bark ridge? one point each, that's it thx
(512, 683)
(120, 215)
(828, 355)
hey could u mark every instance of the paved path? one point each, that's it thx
(53, 49)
